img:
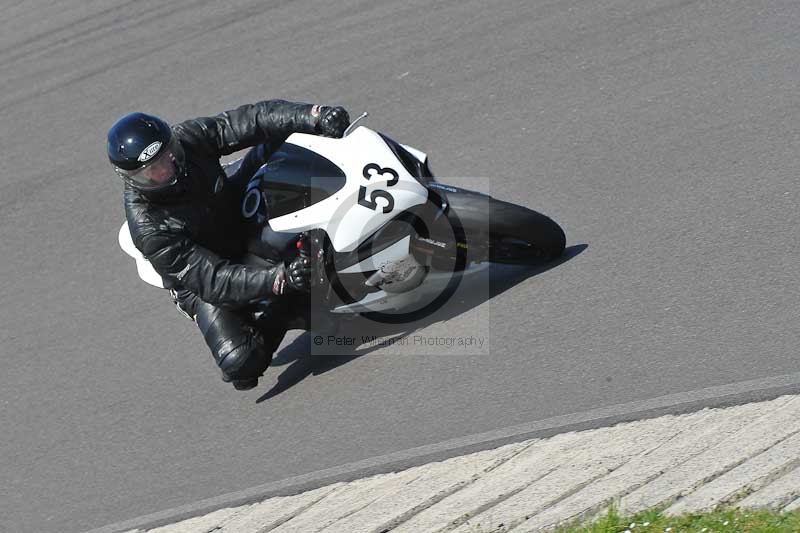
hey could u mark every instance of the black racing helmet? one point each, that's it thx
(145, 153)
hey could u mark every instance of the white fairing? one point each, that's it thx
(395, 252)
(143, 266)
(419, 154)
(345, 221)
(403, 280)
(435, 283)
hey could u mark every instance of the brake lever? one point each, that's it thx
(354, 124)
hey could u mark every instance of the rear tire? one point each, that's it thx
(504, 232)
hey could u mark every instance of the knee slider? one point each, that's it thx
(243, 360)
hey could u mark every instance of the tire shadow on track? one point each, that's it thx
(304, 361)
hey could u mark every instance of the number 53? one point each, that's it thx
(369, 171)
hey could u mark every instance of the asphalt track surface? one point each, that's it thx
(661, 134)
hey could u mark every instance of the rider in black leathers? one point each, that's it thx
(192, 223)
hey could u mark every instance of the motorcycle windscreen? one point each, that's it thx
(295, 178)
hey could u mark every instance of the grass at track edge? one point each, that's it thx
(726, 520)
(730, 520)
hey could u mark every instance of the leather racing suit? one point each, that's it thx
(195, 237)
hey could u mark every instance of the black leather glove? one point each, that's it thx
(333, 121)
(294, 276)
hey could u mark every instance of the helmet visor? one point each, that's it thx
(163, 171)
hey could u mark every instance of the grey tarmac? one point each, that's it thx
(662, 135)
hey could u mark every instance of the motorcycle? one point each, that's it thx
(385, 238)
